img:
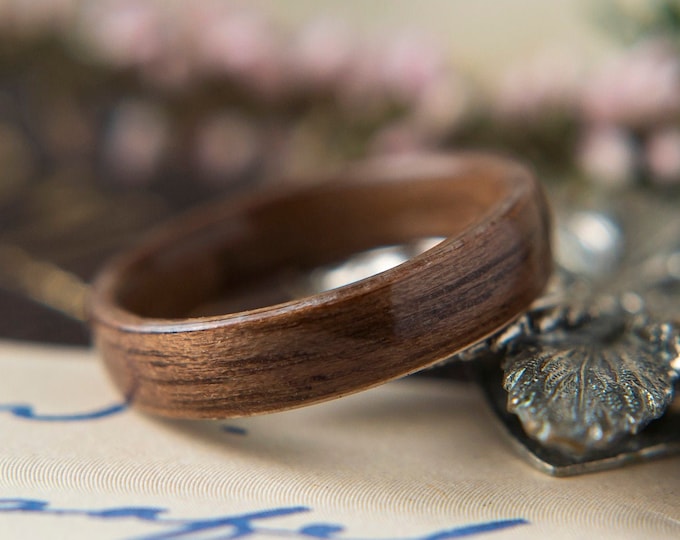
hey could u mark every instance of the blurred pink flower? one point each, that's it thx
(173, 66)
(124, 32)
(403, 69)
(410, 65)
(548, 84)
(321, 53)
(238, 43)
(442, 107)
(360, 90)
(607, 156)
(135, 142)
(662, 153)
(639, 88)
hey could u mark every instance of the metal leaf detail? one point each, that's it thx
(581, 380)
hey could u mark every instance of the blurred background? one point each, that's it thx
(115, 114)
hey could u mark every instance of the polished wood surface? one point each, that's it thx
(166, 360)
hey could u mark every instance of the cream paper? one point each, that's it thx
(416, 459)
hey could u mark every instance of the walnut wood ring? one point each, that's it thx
(494, 261)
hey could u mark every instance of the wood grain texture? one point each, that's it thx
(495, 260)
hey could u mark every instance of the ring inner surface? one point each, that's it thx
(236, 258)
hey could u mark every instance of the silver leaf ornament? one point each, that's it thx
(581, 379)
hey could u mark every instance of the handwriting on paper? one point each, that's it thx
(233, 526)
(28, 412)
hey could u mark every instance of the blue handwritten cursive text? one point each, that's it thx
(234, 526)
(28, 412)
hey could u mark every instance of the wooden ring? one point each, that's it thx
(493, 263)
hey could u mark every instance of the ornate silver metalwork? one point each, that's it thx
(582, 379)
